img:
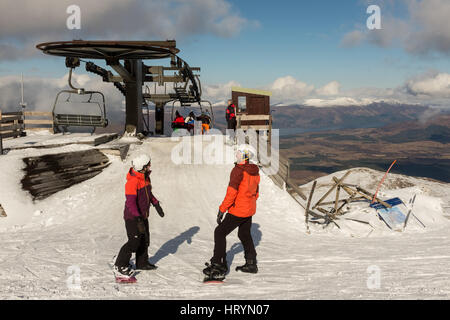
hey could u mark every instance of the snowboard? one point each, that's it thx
(225, 282)
(209, 280)
(119, 278)
(124, 279)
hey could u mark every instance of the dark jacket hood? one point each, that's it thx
(250, 168)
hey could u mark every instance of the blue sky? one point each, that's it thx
(301, 39)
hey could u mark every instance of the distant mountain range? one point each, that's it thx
(421, 148)
(373, 115)
(298, 117)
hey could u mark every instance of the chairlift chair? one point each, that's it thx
(190, 108)
(79, 120)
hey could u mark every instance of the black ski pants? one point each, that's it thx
(137, 242)
(225, 228)
(231, 123)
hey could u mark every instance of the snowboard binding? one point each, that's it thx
(214, 272)
(124, 274)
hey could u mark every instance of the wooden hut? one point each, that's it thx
(252, 108)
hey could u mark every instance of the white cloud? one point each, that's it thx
(425, 31)
(40, 93)
(433, 26)
(341, 101)
(430, 113)
(427, 89)
(290, 88)
(218, 93)
(345, 101)
(437, 85)
(285, 90)
(330, 89)
(23, 26)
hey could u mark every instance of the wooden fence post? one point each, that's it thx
(22, 125)
(23, 119)
(269, 138)
(308, 205)
(332, 188)
(16, 123)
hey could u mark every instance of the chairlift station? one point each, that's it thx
(126, 59)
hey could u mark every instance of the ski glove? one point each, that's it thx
(159, 210)
(141, 226)
(219, 217)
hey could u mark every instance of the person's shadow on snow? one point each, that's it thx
(171, 246)
(238, 248)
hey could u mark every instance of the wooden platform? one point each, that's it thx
(47, 140)
(118, 147)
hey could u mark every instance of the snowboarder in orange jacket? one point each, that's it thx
(240, 202)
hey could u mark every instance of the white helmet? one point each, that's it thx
(245, 152)
(140, 162)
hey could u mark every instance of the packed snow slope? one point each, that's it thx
(46, 243)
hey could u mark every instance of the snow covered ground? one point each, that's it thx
(49, 245)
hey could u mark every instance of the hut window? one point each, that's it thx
(242, 104)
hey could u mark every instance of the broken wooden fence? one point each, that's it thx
(328, 212)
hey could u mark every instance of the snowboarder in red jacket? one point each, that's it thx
(139, 198)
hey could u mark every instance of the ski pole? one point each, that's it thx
(411, 204)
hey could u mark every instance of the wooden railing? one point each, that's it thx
(243, 119)
(281, 177)
(282, 180)
(15, 124)
(11, 124)
(38, 120)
